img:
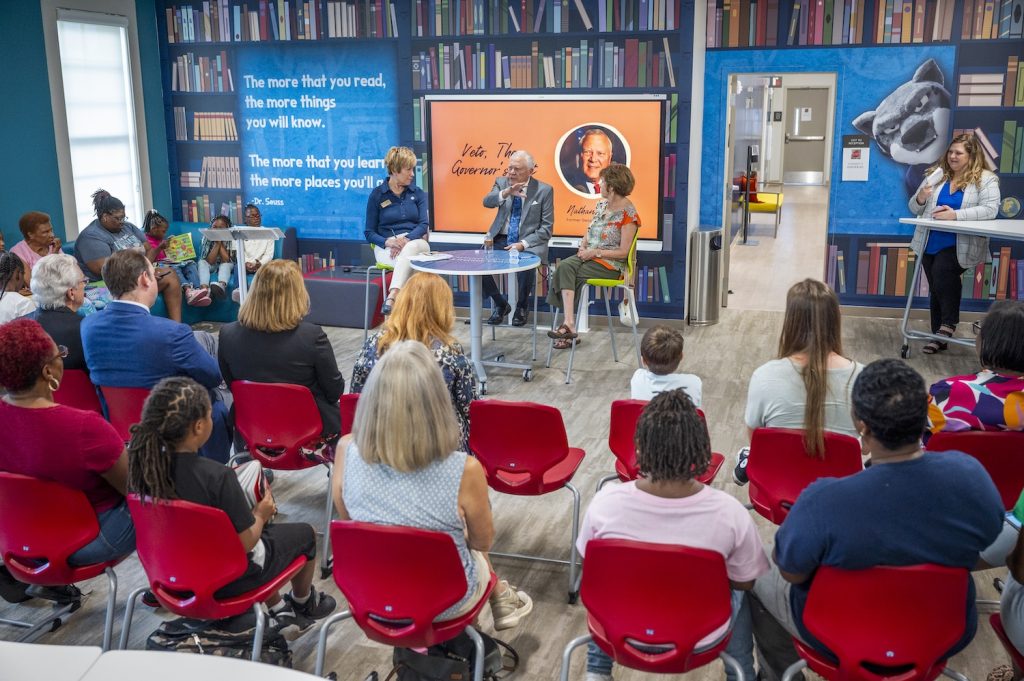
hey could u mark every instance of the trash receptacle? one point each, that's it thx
(705, 276)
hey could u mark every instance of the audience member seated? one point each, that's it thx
(602, 253)
(424, 312)
(258, 252)
(39, 240)
(667, 506)
(910, 507)
(219, 254)
(109, 233)
(1011, 604)
(125, 346)
(271, 344)
(993, 398)
(401, 466)
(661, 352)
(809, 385)
(58, 286)
(13, 279)
(51, 441)
(164, 464)
(154, 226)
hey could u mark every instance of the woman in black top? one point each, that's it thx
(58, 287)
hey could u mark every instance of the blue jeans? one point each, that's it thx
(116, 538)
(740, 647)
(218, 447)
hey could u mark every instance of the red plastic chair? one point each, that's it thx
(1000, 452)
(527, 460)
(779, 468)
(124, 407)
(42, 523)
(649, 605)
(76, 390)
(397, 580)
(997, 625)
(623, 419)
(348, 411)
(276, 420)
(189, 551)
(900, 619)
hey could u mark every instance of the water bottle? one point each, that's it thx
(513, 255)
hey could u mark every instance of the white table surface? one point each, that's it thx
(997, 229)
(155, 665)
(22, 661)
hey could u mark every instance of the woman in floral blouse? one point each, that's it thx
(424, 312)
(603, 251)
(993, 398)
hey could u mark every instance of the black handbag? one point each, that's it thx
(453, 660)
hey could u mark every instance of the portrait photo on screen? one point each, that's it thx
(584, 151)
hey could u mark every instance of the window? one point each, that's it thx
(100, 110)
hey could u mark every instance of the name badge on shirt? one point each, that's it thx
(386, 204)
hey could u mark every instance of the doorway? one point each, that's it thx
(782, 125)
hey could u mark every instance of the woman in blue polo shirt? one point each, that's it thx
(966, 191)
(396, 219)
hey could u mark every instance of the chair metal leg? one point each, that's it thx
(478, 662)
(326, 555)
(636, 334)
(366, 305)
(573, 566)
(606, 479)
(534, 358)
(31, 628)
(567, 655)
(129, 610)
(611, 331)
(793, 669)
(551, 343)
(572, 347)
(730, 661)
(954, 674)
(321, 646)
(108, 623)
(257, 641)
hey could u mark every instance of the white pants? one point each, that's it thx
(223, 272)
(1011, 610)
(403, 268)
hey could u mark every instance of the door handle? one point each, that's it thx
(804, 138)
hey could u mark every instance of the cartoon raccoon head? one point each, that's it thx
(911, 125)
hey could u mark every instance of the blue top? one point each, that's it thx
(937, 239)
(940, 508)
(388, 214)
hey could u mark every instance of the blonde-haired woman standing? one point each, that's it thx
(966, 191)
(425, 313)
(271, 344)
(396, 219)
(402, 466)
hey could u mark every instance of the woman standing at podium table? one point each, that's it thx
(396, 219)
(965, 190)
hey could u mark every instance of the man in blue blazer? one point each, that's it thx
(126, 347)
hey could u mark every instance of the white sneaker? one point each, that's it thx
(592, 676)
(510, 607)
(236, 296)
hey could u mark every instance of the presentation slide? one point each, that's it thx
(571, 140)
(315, 123)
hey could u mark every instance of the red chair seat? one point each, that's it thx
(716, 464)
(997, 626)
(1000, 452)
(124, 407)
(76, 390)
(276, 420)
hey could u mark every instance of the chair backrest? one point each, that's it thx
(275, 420)
(396, 580)
(631, 257)
(76, 390)
(516, 443)
(1000, 452)
(902, 619)
(779, 467)
(124, 407)
(41, 524)
(348, 404)
(625, 414)
(188, 551)
(651, 604)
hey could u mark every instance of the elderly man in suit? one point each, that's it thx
(126, 347)
(526, 213)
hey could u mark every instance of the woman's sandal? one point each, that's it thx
(565, 343)
(933, 347)
(563, 332)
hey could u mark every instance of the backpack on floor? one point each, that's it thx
(231, 637)
(453, 660)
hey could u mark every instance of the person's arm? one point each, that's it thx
(422, 217)
(325, 365)
(117, 475)
(547, 220)
(463, 386)
(264, 511)
(919, 200)
(475, 507)
(372, 231)
(988, 201)
(1015, 561)
(93, 252)
(223, 350)
(192, 359)
(338, 477)
(494, 197)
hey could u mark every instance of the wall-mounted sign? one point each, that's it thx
(856, 154)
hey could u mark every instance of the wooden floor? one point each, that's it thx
(724, 355)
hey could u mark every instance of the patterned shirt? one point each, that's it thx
(605, 231)
(458, 375)
(982, 401)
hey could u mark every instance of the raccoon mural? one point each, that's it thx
(911, 125)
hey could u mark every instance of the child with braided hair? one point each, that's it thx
(163, 463)
(12, 280)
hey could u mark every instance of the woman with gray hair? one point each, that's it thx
(58, 287)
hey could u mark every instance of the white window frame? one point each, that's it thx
(106, 12)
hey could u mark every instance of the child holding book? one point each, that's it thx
(661, 352)
(155, 227)
(217, 254)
